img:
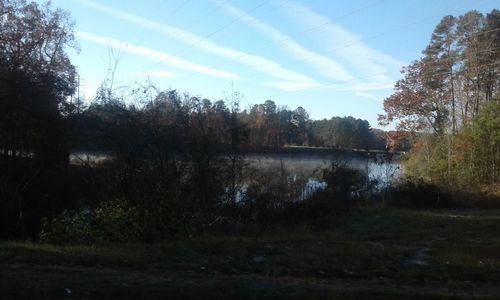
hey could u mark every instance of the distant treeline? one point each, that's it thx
(113, 124)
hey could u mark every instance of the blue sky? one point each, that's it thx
(334, 58)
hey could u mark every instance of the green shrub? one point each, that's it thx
(468, 161)
(112, 221)
(69, 226)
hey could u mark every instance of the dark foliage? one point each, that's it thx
(420, 194)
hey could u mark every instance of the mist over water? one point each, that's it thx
(376, 166)
(304, 171)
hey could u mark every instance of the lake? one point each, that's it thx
(306, 167)
(378, 166)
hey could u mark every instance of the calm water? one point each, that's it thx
(305, 167)
(376, 166)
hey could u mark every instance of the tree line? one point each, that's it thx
(261, 127)
(448, 101)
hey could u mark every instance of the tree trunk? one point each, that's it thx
(453, 108)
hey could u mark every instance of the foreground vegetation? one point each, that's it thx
(379, 253)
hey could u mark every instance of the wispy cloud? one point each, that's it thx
(372, 86)
(258, 63)
(289, 86)
(161, 74)
(359, 89)
(327, 66)
(149, 53)
(367, 95)
(346, 46)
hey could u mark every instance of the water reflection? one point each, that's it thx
(302, 175)
(380, 167)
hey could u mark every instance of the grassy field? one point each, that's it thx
(364, 254)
